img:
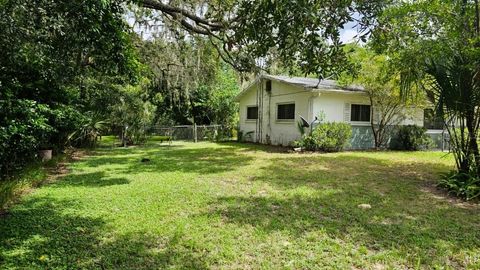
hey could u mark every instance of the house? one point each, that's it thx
(271, 107)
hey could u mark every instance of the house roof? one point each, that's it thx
(309, 84)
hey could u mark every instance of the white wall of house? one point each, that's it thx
(335, 106)
(283, 132)
(247, 100)
(275, 131)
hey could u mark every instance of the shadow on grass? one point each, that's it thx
(94, 179)
(346, 170)
(403, 217)
(203, 160)
(44, 233)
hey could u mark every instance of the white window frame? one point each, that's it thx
(360, 122)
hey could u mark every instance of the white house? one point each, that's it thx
(271, 107)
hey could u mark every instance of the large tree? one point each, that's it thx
(48, 48)
(304, 34)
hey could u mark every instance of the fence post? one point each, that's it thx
(194, 132)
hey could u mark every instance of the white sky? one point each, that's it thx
(348, 33)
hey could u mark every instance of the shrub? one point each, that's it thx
(88, 132)
(412, 138)
(23, 129)
(328, 137)
(66, 120)
(462, 185)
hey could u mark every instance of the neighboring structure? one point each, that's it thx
(271, 107)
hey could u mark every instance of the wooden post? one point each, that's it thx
(194, 132)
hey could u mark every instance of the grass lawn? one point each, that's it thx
(238, 206)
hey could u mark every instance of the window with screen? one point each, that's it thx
(252, 113)
(360, 113)
(286, 111)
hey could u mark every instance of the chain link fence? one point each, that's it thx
(193, 132)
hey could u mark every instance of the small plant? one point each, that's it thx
(412, 138)
(240, 135)
(463, 185)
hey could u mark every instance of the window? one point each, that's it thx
(432, 121)
(286, 111)
(360, 113)
(252, 113)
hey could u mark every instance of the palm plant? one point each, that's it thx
(89, 132)
(456, 91)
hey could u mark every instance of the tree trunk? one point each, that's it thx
(374, 131)
(472, 137)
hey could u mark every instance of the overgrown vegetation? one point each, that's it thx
(49, 48)
(435, 45)
(411, 138)
(326, 137)
(382, 84)
(461, 185)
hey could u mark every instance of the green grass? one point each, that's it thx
(33, 175)
(238, 206)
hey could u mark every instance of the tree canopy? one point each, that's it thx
(303, 34)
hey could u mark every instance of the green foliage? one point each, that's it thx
(66, 119)
(411, 137)
(189, 82)
(132, 116)
(50, 51)
(383, 86)
(462, 185)
(434, 45)
(327, 137)
(304, 36)
(24, 129)
(91, 128)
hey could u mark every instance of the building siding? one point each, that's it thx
(334, 106)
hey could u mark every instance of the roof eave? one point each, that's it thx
(336, 90)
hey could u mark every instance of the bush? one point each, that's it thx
(66, 120)
(462, 185)
(24, 129)
(88, 132)
(327, 137)
(412, 138)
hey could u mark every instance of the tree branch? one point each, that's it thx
(176, 11)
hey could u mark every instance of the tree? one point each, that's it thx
(382, 85)
(435, 45)
(48, 51)
(303, 34)
(190, 83)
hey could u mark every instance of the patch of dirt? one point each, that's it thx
(437, 193)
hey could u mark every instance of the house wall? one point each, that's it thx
(274, 131)
(248, 127)
(334, 106)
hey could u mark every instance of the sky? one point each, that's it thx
(348, 33)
